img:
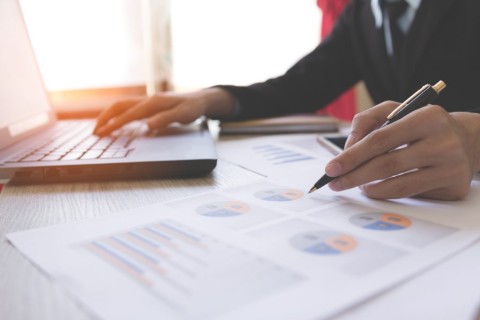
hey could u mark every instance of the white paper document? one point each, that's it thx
(275, 155)
(265, 250)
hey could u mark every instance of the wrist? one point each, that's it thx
(217, 103)
(475, 133)
(471, 123)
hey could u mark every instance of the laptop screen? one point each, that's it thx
(24, 103)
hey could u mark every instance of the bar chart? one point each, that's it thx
(186, 270)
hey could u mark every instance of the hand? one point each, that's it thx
(429, 153)
(162, 109)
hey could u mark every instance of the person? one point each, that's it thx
(441, 41)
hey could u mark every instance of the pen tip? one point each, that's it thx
(312, 190)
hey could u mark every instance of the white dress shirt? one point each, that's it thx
(404, 21)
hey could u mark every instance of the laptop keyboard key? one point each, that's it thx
(92, 154)
(121, 153)
(51, 157)
(33, 157)
(73, 156)
(74, 141)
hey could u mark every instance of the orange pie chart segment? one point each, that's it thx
(280, 194)
(323, 242)
(223, 209)
(381, 221)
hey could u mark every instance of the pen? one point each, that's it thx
(422, 97)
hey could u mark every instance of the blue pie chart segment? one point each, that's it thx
(279, 194)
(223, 209)
(322, 242)
(381, 221)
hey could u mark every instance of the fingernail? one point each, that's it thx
(333, 169)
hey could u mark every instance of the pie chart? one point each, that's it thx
(381, 221)
(279, 194)
(323, 242)
(223, 209)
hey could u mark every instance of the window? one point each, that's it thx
(93, 52)
(239, 42)
(89, 52)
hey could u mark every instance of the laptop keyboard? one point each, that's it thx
(73, 140)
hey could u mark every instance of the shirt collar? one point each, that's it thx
(377, 11)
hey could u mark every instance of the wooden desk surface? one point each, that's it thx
(26, 293)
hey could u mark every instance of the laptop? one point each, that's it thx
(35, 147)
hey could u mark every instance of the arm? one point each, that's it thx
(312, 82)
(430, 153)
(165, 108)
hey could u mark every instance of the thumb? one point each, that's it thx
(365, 122)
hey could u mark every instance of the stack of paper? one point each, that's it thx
(258, 251)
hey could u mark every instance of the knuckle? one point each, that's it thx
(152, 123)
(460, 173)
(378, 141)
(362, 119)
(454, 194)
(437, 113)
(358, 117)
(454, 147)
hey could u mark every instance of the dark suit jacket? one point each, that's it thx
(443, 43)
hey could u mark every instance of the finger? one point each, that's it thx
(367, 121)
(179, 114)
(113, 111)
(141, 110)
(417, 155)
(437, 182)
(406, 185)
(411, 128)
(447, 193)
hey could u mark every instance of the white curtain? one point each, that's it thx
(101, 43)
(158, 45)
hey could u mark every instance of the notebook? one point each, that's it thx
(36, 147)
(299, 123)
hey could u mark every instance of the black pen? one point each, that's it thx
(422, 97)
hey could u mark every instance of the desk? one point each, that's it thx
(25, 293)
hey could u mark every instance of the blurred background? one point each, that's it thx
(94, 52)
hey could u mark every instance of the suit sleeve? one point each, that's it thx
(476, 110)
(311, 83)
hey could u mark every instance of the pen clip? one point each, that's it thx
(401, 106)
